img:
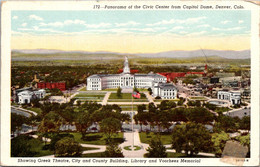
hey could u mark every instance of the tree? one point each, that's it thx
(150, 91)
(199, 115)
(112, 150)
(141, 118)
(245, 123)
(119, 92)
(191, 138)
(21, 146)
(50, 124)
(83, 121)
(67, 147)
(110, 126)
(135, 89)
(245, 141)
(178, 114)
(141, 108)
(226, 123)
(34, 120)
(17, 121)
(152, 107)
(156, 149)
(219, 140)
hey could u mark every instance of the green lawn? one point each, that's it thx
(36, 146)
(166, 138)
(83, 89)
(129, 148)
(125, 96)
(90, 96)
(110, 89)
(100, 154)
(98, 96)
(159, 100)
(37, 110)
(96, 138)
(127, 100)
(198, 98)
(84, 99)
(179, 155)
(128, 107)
(89, 148)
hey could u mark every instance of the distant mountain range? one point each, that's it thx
(228, 54)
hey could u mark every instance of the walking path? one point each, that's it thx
(149, 97)
(23, 110)
(129, 139)
(99, 148)
(104, 102)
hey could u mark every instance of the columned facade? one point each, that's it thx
(123, 80)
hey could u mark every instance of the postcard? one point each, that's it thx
(129, 83)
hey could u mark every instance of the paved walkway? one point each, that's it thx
(99, 148)
(104, 102)
(129, 139)
(149, 97)
(24, 110)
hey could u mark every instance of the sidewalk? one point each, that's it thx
(104, 102)
(129, 139)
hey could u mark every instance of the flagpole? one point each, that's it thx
(132, 124)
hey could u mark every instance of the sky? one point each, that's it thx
(131, 31)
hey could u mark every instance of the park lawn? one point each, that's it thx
(198, 98)
(142, 89)
(179, 155)
(37, 147)
(89, 148)
(110, 89)
(96, 138)
(37, 110)
(159, 100)
(125, 96)
(127, 100)
(100, 154)
(90, 95)
(128, 107)
(93, 100)
(166, 138)
(83, 89)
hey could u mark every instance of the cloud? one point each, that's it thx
(163, 22)
(177, 28)
(54, 24)
(15, 17)
(197, 33)
(130, 23)
(193, 20)
(76, 21)
(203, 25)
(225, 22)
(240, 21)
(226, 29)
(173, 21)
(24, 25)
(100, 25)
(145, 30)
(35, 29)
(183, 32)
(34, 17)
